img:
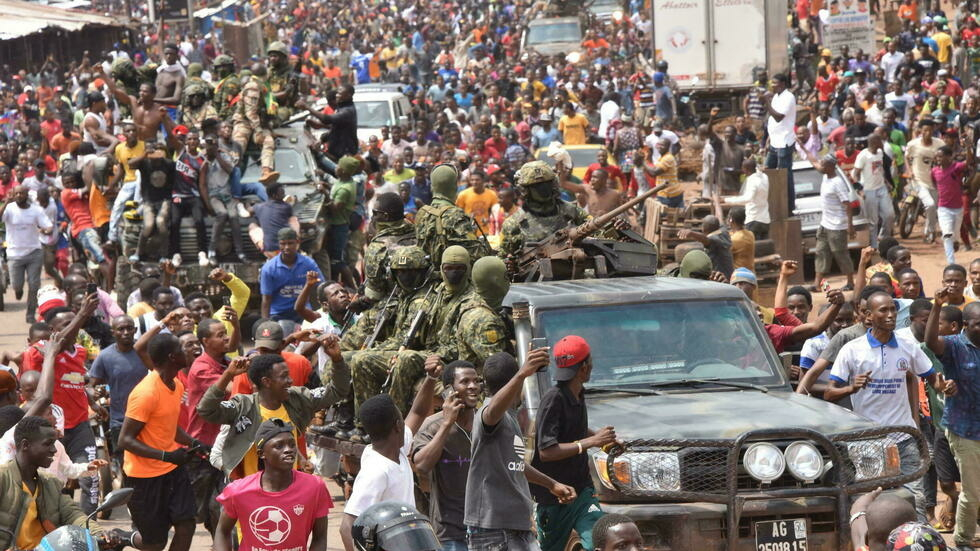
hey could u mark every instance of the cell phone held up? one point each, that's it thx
(538, 342)
(91, 288)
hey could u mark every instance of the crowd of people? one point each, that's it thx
(394, 321)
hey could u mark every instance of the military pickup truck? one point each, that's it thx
(297, 173)
(719, 452)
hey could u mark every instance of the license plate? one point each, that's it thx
(809, 218)
(781, 535)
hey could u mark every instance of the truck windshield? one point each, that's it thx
(372, 114)
(665, 341)
(554, 32)
(290, 164)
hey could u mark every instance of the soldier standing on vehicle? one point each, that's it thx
(198, 107)
(563, 437)
(227, 88)
(442, 223)
(544, 211)
(256, 110)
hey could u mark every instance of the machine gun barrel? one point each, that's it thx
(594, 224)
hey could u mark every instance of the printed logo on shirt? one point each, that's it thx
(519, 452)
(902, 365)
(269, 524)
(298, 509)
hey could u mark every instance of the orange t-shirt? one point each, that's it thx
(158, 407)
(909, 11)
(299, 370)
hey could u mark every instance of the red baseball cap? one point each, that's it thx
(181, 130)
(569, 352)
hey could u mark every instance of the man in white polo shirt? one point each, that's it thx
(25, 223)
(781, 125)
(873, 370)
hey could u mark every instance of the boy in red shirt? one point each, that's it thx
(278, 508)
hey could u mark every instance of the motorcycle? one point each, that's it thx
(909, 212)
(76, 538)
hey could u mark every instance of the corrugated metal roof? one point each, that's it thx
(19, 18)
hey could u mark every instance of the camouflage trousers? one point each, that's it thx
(261, 136)
(369, 370)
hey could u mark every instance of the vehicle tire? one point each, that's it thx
(907, 216)
(105, 480)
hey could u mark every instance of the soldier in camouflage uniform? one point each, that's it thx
(544, 211)
(370, 368)
(227, 88)
(464, 326)
(252, 119)
(393, 233)
(283, 81)
(197, 108)
(441, 223)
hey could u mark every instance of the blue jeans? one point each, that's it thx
(481, 539)
(89, 239)
(238, 189)
(130, 191)
(880, 213)
(337, 237)
(782, 157)
(908, 456)
(453, 545)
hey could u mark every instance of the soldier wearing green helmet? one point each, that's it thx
(228, 86)
(544, 211)
(441, 223)
(197, 107)
(283, 81)
(409, 267)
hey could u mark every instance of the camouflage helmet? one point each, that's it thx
(223, 59)
(535, 172)
(278, 48)
(195, 89)
(409, 258)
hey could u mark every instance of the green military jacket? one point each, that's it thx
(54, 508)
(241, 412)
(441, 224)
(523, 228)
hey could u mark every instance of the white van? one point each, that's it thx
(379, 105)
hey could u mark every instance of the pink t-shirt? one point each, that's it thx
(949, 184)
(276, 521)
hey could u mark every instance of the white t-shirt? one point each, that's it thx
(889, 64)
(835, 198)
(872, 169)
(810, 353)
(783, 133)
(382, 480)
(826, 127)
(885, 400)
(652, 140)
(902, 104)
(23, 229)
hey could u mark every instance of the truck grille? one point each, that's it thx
(703, 470)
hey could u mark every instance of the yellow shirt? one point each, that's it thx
(573, 129)
(944, 41)
(250, 464)
(31, 530)
(668, 164)
(743, 249)
(139, 309)
(478, 205)
(124, 153)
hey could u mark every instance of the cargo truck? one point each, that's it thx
(715, 48)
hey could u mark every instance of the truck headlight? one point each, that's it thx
(650, 471)
(617, 15)
(804, 461)
(873, 458)
(764, 462)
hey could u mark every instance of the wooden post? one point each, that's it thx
(784, 229)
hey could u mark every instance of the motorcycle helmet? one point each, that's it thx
(662, 66)
(393, 526)
(69, 538)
